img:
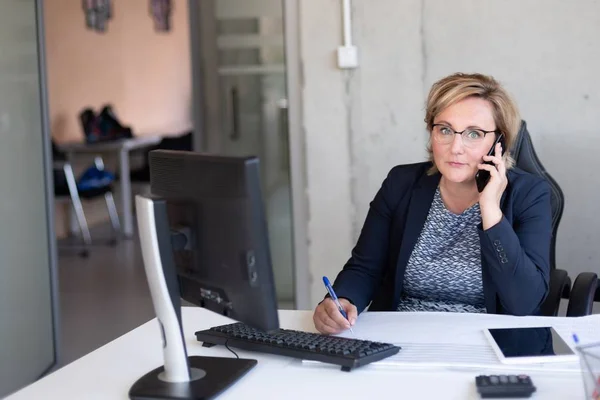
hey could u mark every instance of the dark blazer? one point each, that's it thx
(515, 253)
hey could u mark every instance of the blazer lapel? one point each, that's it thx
(418, 208)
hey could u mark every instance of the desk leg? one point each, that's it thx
(126, 193)
(73, 226)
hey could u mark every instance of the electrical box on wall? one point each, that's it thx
(347, 56)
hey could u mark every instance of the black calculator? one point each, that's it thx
(504, 386)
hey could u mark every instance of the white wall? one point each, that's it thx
(360, 123)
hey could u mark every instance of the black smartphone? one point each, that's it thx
(483, 177)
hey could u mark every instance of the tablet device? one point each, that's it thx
(529, 345)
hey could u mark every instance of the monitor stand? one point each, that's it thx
(209, 376)
(181, 377)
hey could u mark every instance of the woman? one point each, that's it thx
(432, 241)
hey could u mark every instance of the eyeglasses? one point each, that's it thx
(471, 137)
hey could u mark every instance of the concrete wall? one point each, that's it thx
(360, 123)
(327, 133)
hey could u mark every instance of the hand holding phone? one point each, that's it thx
(483, 177)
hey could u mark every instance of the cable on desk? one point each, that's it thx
(236, 356)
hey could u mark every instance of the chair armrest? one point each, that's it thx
(582, 295)
(560, 285)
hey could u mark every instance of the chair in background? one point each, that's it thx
(66, 190)
(581, 294)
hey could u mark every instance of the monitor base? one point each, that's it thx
(209, 377)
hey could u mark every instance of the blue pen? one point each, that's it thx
(575, 339)
(335, 298)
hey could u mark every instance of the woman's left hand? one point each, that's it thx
(489, 198)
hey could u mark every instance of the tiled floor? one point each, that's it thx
(101, 297)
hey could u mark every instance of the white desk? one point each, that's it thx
(109, 372)
(123, 147)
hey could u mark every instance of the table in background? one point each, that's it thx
(123, 147)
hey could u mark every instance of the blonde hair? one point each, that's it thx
(456, 87)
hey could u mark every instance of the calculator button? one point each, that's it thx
(503, 379)
(524, 379)
(513, 379)
(494, 379)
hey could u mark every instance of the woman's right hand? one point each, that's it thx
(329, 320)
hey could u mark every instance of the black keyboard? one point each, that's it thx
(348, 353)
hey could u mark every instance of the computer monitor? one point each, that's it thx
(204, 238)
(219, 233)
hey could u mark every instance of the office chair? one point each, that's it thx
(527, 160)
(585, 289)
(66, 190)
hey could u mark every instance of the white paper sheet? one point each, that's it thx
(456, 340)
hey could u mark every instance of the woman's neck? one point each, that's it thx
(458, 197)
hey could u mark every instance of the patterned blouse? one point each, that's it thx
(444, 269)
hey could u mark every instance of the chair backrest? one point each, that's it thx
(527, 160)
